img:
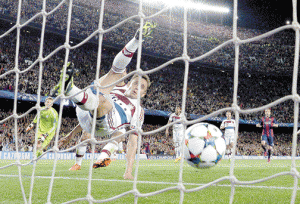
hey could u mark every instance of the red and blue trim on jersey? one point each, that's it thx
(267, 124)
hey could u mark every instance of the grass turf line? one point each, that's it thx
(153, 175)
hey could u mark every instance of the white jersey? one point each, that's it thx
(229, 127)
(124, 113)
(178, 126)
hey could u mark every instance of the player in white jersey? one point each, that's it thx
(115, 108)
(178, 132)
(229, 126)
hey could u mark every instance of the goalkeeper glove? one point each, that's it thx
(43, 137)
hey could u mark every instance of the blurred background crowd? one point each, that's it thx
(248, 141)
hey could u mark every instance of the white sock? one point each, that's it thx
(124, 57)
(84, 100)
(227, 151)
(80, 151)
(78, 160)
(132, 45)
(177, 149)
(108, 150)
(120, 146)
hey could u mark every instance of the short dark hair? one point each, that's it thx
(146, 77)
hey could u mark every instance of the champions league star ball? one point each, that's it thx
(204, 145)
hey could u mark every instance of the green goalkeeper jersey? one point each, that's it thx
(48, 121)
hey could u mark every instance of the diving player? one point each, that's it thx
(116, 109)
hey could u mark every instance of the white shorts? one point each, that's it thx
(229, 138)
(86, 120)
(178, 135)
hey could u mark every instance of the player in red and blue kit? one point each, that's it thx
(267, 123)
(147, 149)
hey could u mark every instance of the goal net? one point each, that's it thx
(38, 60)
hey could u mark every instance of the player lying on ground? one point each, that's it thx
(48, 122)
(229, 126)
(178, 132)
(116, 109)
(267, 137)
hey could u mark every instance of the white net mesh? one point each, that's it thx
(43, 17)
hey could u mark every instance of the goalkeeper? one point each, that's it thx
(48, 122)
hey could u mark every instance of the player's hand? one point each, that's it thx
(258, 125)
(41, 139)
(45, 135)
(29, 127)
(167, 133)
(128, 176)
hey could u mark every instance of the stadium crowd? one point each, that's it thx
(207, 90)
(168, 40)
(248, 142)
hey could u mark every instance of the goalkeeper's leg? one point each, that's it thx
(43, 143)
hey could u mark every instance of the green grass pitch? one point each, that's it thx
(153, 175)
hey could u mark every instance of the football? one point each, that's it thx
(204, 146)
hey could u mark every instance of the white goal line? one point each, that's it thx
(156, 182)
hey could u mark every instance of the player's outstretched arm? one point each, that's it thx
(131, 151)
(65, 140)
